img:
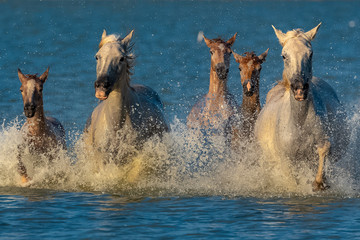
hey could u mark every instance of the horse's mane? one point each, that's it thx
(251, 56)
(32, 75)
(126, 47)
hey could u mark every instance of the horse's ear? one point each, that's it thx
(312, 33)
(263, 56)
(127, 39)
(22, 77)
(280, 35)
(44, 76)
(103, 34)
(207, 41)
(237, 57)
(232, 40)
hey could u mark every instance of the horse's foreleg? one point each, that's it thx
(21, 167)
(323, 151)
(22, 172)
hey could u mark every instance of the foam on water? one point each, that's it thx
(179, 164)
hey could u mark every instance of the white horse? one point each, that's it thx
(137, 109)
(303, 119)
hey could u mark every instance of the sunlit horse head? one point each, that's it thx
(297, 54)
(220, 55)
(114, 59)
(31, 90)
(250, 67)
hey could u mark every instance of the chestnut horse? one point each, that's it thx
(214, 109)
(302, 120)
(134, 108)
(250, 68)
(43, 133)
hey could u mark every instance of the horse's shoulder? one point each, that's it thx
(275, 93)
(56, 128)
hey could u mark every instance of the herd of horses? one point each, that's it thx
(302, 119)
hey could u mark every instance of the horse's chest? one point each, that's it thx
(297, 140)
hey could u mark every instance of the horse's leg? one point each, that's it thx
(21, 168)
(323, 151)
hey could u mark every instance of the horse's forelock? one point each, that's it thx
(108, 39)
(296, 33)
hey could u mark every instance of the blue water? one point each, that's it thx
(231, 201)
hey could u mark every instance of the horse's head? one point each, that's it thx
(113, 59)
(297, 54)
(250, 67)
(220, 55)
(31, 90)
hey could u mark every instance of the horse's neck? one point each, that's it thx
(250, 106)
(37, 125)
(300, 110)
(217, 87)
(119, 99)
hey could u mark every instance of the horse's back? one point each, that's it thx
(150, 111)
(148, 93)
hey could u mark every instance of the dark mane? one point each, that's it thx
(32, 75)
(250, 54)
(219, 40)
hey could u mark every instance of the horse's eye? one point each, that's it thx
(240, 69)
(97, 58)
(40, 90)
(21, 90)
(211, 52)
(311, 54)
(283, 56)
(122, 59)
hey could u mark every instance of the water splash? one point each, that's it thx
(179, 164)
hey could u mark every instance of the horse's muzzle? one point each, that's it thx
(102, 88)
(29, 110)
(300, 91)
(221, 71)
(101, 93)
(248, 87)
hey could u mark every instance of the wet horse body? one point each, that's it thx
(214, 109)
(303, 120)
(43, 133)
(250, 67)
(134, 111)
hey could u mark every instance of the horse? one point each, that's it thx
(250, 68)
(43, 133)
(214, 109)
(303, 121)
(131, 111)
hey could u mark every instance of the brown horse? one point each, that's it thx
(42, 133)
(214, 109)
(250, 67)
